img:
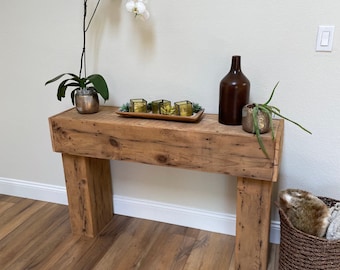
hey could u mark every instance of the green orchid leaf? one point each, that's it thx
(74, 81)
(96, 80)
(56, 78)
(61, 92)
(100, 85)
(82, 82)
(73, 84)
(59, 76)
(62, 89)
(73, 94)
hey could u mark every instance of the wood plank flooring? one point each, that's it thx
(37, 235)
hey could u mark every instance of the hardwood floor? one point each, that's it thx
(37, 235)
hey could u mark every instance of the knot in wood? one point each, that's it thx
(113, 142)
(162, 159)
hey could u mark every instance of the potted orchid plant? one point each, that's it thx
(85, 87)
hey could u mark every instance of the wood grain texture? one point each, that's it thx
(88, 141)
(44, 240)
(89, 192)
(252, 223)
(205, 146)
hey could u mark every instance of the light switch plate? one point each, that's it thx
(324, 40)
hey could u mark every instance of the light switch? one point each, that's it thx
(324, 41)
(325, 38)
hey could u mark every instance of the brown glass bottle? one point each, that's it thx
(234, 94)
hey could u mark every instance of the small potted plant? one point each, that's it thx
(258, 119)
(85, 87)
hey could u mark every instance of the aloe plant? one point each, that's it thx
(82, 81)
(269, 110)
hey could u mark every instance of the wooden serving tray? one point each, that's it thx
(191, 119)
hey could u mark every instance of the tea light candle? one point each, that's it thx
(183, 108)
(138, 105)
(158, 104)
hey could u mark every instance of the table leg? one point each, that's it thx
(252, 223)
(89, 192)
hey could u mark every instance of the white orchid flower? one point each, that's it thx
(138, 7)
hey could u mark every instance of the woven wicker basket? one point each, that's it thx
(301, 251)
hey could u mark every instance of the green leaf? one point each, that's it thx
(196, 107)
(295, 123)
(73, 94)
(272, 94)
(96, 80)
(82, 82)
(267, 110)
(62, 89)
(73, 84)
(59, 76)
(257, 129)
(273, 109)
(75, 81)
(100, 85)
(125, 107)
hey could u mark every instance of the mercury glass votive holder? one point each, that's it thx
(138, 105)
(183, 108)
(156, 105)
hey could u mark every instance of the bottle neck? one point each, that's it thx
(236, 64)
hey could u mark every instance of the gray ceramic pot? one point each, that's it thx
(248, 121)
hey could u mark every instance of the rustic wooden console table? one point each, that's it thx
(88, 142)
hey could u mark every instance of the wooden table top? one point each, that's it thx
(206, 145)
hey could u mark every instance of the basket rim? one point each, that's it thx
(286, 219)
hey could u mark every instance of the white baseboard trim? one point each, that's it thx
(184, 216)
(157, 211)
(33, 190)
(175, 214)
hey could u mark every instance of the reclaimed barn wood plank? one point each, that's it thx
(252, 223)
(89, 192)
(205, 146)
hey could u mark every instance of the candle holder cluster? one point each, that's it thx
(161, 106)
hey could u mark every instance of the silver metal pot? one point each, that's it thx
(86, 100)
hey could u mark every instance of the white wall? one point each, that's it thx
(182, 52)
